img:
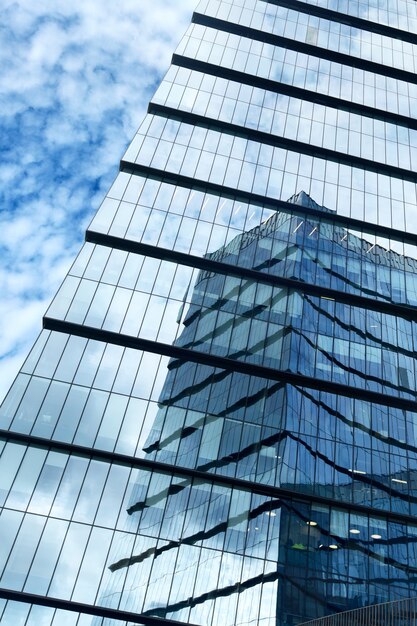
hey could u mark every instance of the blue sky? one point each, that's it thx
(74, 85)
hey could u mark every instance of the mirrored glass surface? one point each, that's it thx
(172, 531)
(218, 424)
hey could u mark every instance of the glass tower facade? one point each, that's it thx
(217, 425)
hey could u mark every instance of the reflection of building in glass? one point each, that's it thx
(284, 329)
(217, 424)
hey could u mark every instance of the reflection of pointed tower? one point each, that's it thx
(202, 420)
(247, 320)
(212, 421)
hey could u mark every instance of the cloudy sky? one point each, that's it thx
(75, 80)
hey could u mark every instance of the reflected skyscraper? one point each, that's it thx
(217, 425)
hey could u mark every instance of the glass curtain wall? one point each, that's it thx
(217, 425)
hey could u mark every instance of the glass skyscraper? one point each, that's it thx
(218, 423)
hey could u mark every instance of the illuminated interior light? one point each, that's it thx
(345, 237)
(297, 227)
(398, 480)
(354, 531)
(371, 248)
(376, 537)
(271, 513)
(327, 298)
(312, 523)
(313, 231)
(333, 546)
(357, 471)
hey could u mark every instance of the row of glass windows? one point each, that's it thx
(349, 265)
(80, 415)
(162, 278)
(229, 217)
(322, 33)
(250, 399)
(95, 364)
(345, 270)
(272, 433)
(278, 457)
(172, 534)
(118, 497)
(164, 229)
(167, 279)
(299, 69)
(235, 162)
(396, 13)
(274, 101)
(221, 211)
(140, 571)
(291, 255)
(263, 402)
(19, 614)
(292, 118)
(400, 14)
(238, 318)
(384, 468)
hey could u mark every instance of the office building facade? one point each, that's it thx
(218, 423)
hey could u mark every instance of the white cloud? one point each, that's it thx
(75, 82)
